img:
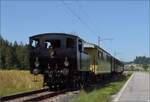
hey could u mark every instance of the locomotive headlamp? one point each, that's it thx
(66, 62)
(59, 71)
(36, 62)
(65, 71)
(46, 71)
(36, 71)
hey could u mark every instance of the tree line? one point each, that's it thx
(13, 55)
(142, 60)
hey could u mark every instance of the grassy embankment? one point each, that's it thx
(16, 81)
(102, 94)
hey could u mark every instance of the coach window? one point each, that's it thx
(35, 43)
(99, 54)
(108, 58)
(104, 56)
(70, 43)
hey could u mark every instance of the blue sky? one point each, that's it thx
(126, 22)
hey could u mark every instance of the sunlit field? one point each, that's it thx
(16, 81)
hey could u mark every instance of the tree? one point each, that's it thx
(145, 67)
(2, 52)
(132, 68)
(9, 57)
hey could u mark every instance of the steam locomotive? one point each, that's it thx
(67, 61)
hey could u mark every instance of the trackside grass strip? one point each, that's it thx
(102, 94)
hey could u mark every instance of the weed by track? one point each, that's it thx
(104, 92)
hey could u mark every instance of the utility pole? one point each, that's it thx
(149, 31)
(99, 40)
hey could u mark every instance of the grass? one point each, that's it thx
(16, 81)
(102, 94)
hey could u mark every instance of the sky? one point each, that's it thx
(125, 22)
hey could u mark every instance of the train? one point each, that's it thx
(68, 61)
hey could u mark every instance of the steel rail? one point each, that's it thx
(19, 95)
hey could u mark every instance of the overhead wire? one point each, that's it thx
(78, 17)
(81, 8)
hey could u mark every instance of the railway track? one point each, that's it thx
(37, 95)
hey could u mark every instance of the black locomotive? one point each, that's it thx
(67, 61)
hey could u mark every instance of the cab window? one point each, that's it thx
(35, 43)
(47, 44)
(52, 44)
(70, 43)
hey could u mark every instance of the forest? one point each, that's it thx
(13, 55)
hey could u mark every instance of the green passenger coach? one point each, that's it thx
(100, 61)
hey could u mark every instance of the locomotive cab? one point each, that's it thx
(52, 55)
